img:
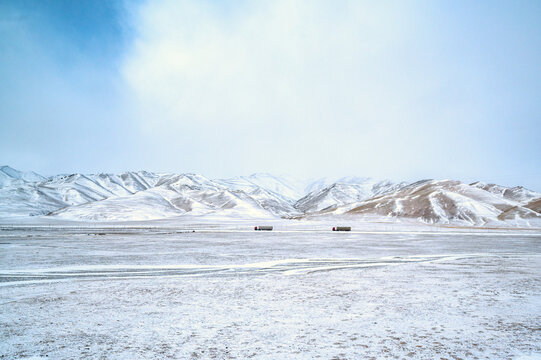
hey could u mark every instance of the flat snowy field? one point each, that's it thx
(159, 293)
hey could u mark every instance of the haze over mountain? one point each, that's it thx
(142, 195)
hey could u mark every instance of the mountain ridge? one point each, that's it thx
(143, 195)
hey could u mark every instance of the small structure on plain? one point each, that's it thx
(266, 228)
(341, 228)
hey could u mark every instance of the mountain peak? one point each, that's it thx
(9, 170)
(9, 175)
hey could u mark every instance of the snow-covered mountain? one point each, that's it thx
(325, 182)
(448, 202)
(517, 193)
(144, 195)
(286, 187)
(342, 193)
(138, 196)
(45, 195)
(173, 197)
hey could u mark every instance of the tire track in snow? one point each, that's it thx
(285, 267)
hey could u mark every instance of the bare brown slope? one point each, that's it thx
(531, 210)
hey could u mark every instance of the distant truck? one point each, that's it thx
(266, 228)
(341, 228)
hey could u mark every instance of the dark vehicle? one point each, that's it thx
(341, 228)
(267, 228)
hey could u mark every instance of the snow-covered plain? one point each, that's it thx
(154, 292)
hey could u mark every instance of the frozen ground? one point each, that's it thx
(150, 293)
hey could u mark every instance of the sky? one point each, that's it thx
(404, 90)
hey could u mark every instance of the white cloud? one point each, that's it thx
(366, 88)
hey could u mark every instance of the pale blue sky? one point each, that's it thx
(395, 89)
